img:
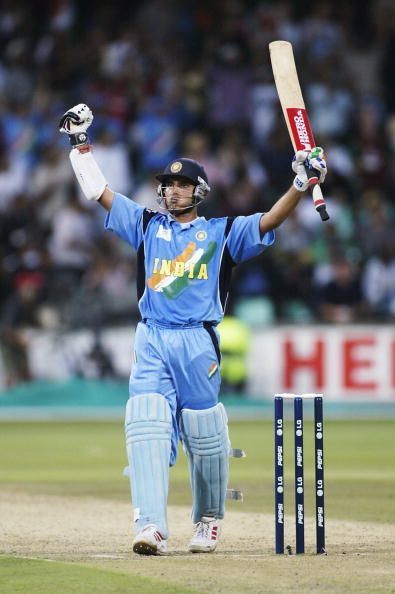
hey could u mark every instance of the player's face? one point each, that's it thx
(178, 194)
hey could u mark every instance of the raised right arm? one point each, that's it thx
(75, 123)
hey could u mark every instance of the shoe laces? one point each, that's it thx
(203, 528)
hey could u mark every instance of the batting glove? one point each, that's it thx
(304, 161)
(75, 122)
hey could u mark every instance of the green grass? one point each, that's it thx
(359, 468)
(47, 577)
(88, 459)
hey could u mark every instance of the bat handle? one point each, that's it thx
(323, 212)
(318, 198)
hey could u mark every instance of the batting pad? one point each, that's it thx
(148, 429)
(206, 442)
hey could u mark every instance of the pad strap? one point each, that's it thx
(234, 494)
(236, 453)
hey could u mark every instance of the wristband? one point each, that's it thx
(79, 139)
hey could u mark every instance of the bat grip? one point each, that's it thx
(323, 212)
(318, 198)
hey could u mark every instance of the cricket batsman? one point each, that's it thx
(184, 266)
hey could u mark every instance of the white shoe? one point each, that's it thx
(206, 535)
(150, 542)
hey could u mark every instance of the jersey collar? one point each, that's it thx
(194, 223)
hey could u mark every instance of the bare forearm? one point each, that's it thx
(106, 199)
(280, 210)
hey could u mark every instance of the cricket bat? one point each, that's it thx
(294, 110)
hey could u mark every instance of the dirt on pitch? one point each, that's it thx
(97, 532)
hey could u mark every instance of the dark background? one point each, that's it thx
(172, 78)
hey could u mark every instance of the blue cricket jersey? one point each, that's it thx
(184, 269)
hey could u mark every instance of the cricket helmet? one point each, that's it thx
(190, 170)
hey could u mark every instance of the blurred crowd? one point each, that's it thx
(166, 78)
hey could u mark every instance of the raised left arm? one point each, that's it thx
(280, 210)
(287, 203)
